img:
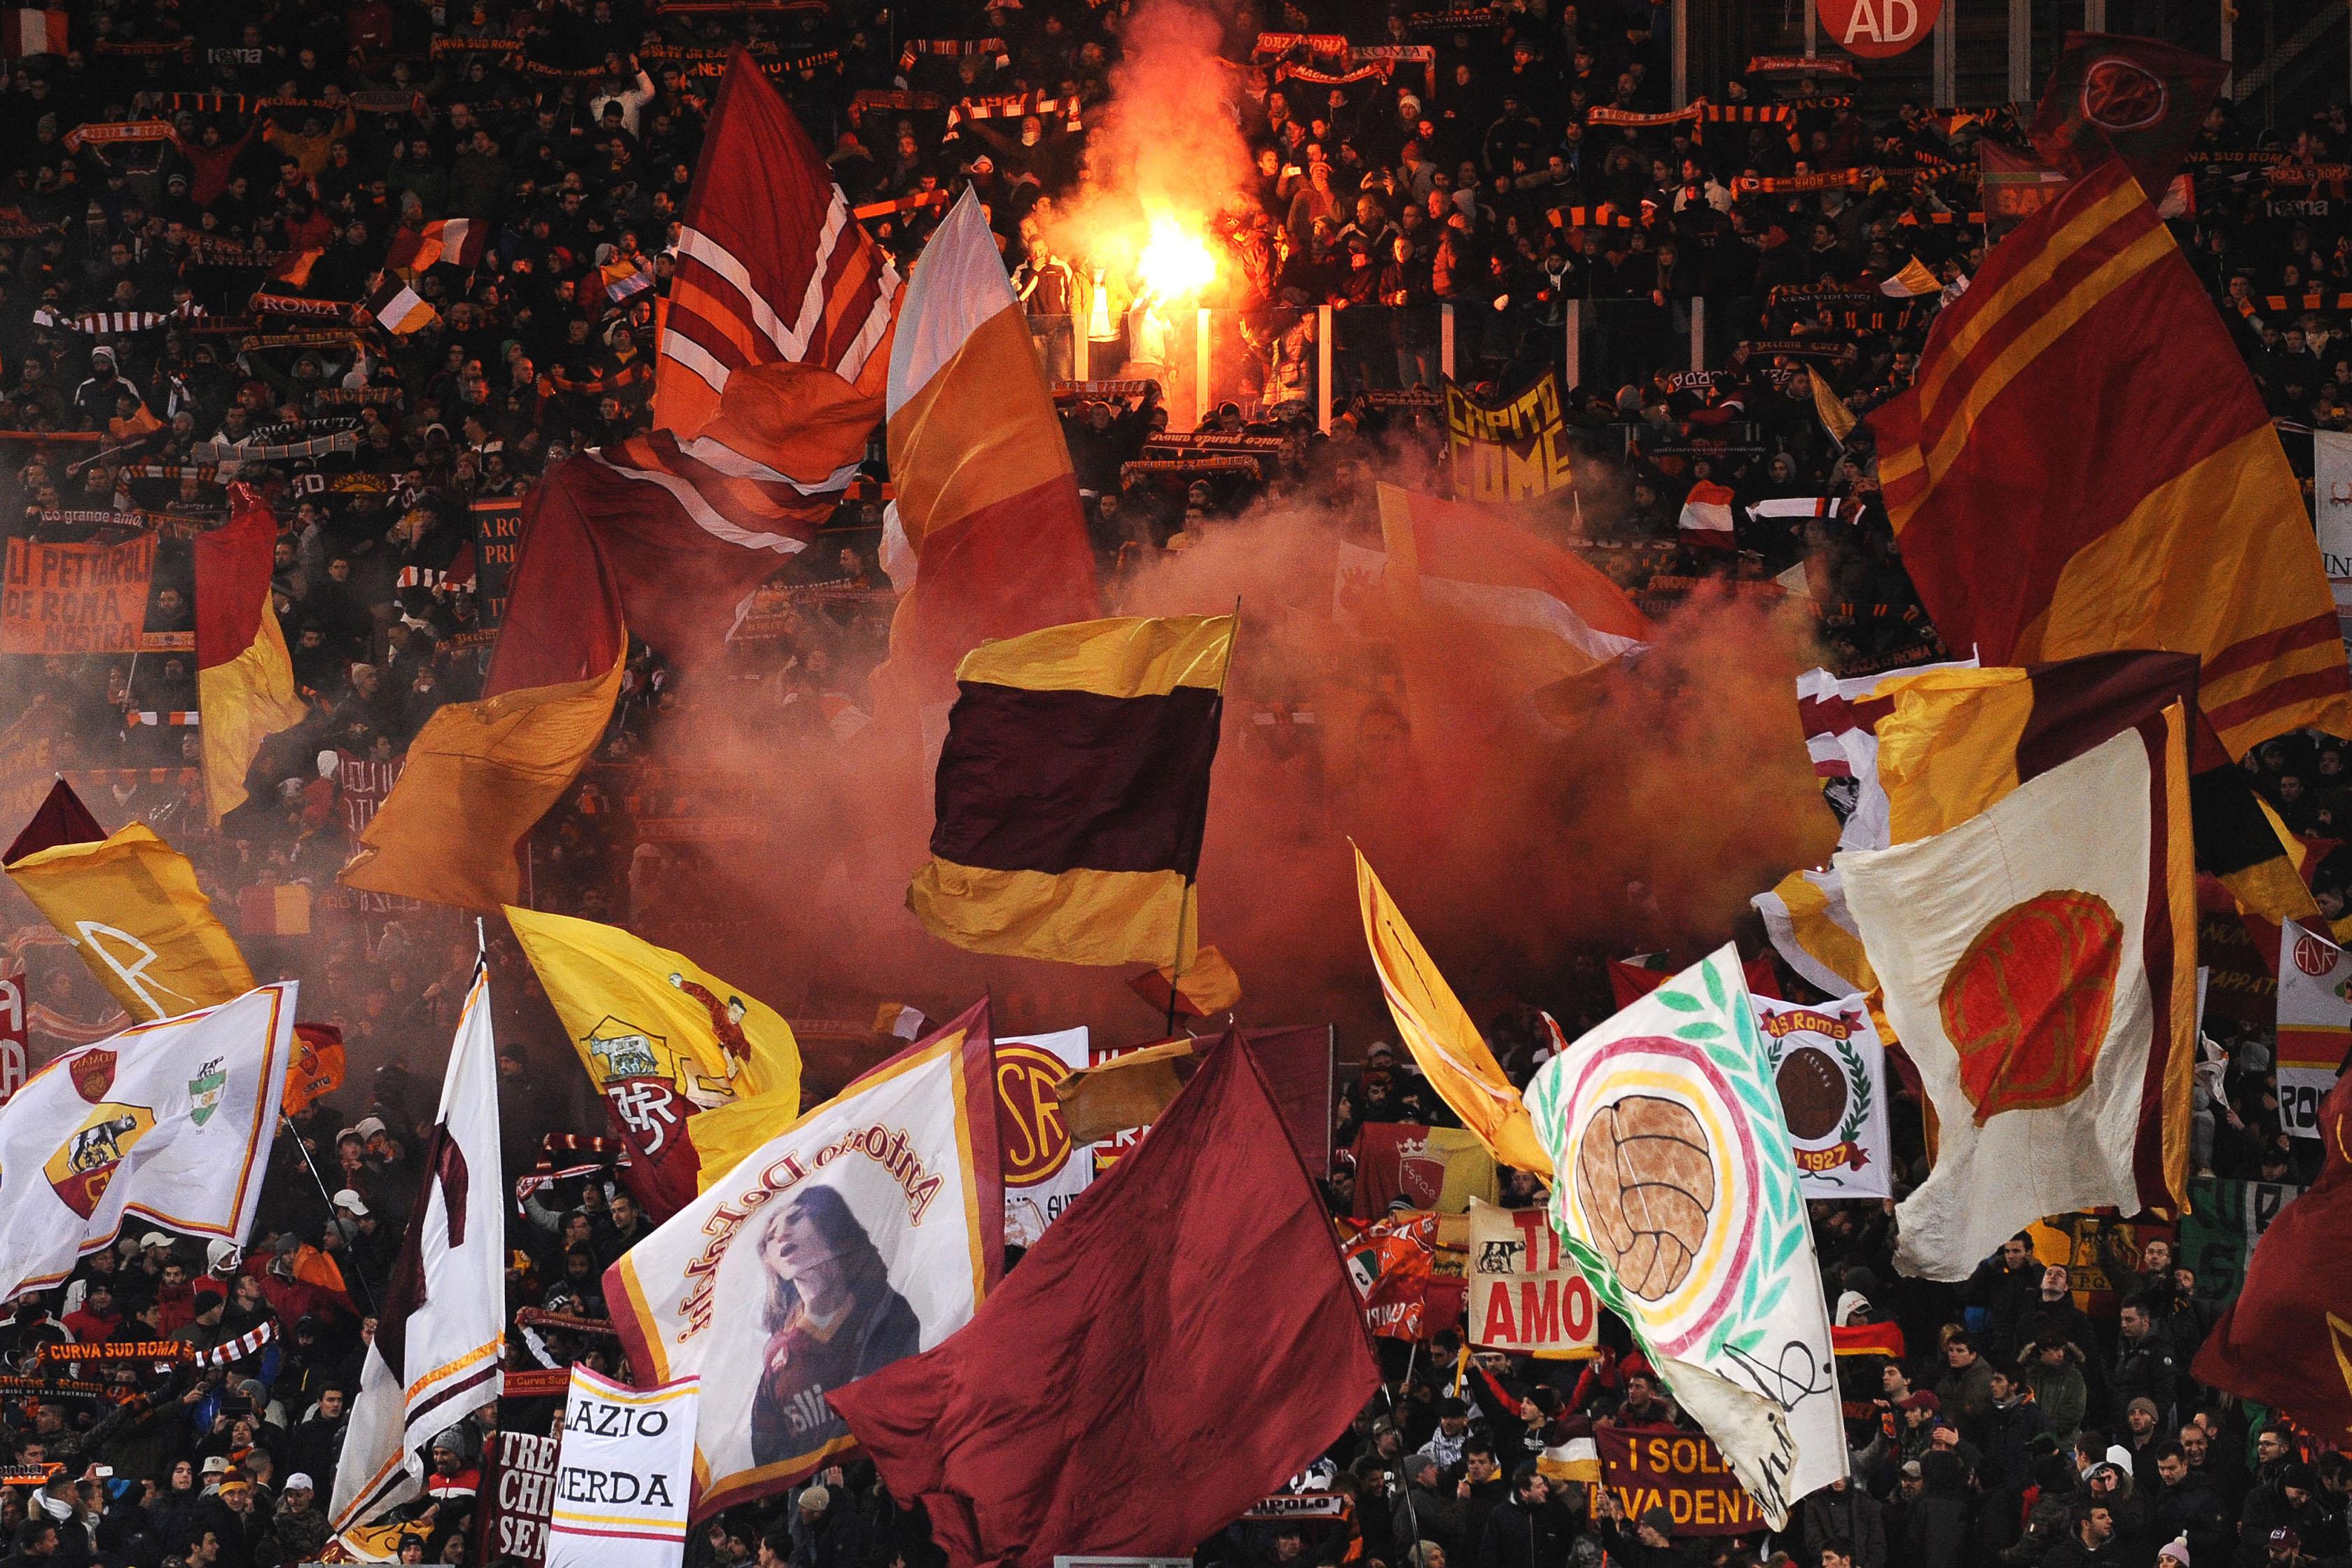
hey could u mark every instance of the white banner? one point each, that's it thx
(2315, 1024)
(2331, 505)
(624, 1475)
(1042, 1172)
(1523, 1295)
(1830, 1072)
(858, 1237)
(168, 1123)
(15, 1040)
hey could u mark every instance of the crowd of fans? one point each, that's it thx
(284, 149)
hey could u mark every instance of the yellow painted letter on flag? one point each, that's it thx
(1444, 1041)
(131, 906)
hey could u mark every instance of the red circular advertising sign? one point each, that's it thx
(1875, 29)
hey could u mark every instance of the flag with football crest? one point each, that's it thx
(1677, 1198)
(167, 1122)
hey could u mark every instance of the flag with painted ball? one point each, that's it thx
(864, 1233)
(2037, 947)
(166, 1123)
(1045, 1171)
(1678, 1201)
(624, 1474)
(2314, 1025)
(1830, 1069)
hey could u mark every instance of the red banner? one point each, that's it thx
(1681, 1472)
(75, 599)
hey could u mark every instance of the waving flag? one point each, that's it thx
(245, 680)
(771, 267)
(440, 1331)
(1706, 522)
(167, 1123)
(2180, 527)
(2038, 948)
(665, 1041)
(130, 905)
(1677, 1198)
(1074, 789)
(1549, 613)
(461, 242)
(986, 537)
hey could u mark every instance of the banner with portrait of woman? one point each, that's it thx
(865, 1231)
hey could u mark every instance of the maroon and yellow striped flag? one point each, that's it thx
(2084, 467)
(1073, 791)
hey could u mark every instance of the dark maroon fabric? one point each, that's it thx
(2283, 1341)
(1183, 1342)
(1054, 781)
(62, 820)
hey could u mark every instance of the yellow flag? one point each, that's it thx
(1836, 417)
(666, 1042)
(1439, 1033)
(131, 906)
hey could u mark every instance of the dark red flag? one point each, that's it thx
(2286, 1341)
(61, 819)
(1183, 1342)
(2133, 98)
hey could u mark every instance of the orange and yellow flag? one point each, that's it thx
(1444, 1041)
(245, 682)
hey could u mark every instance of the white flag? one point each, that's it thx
(2315, 1024)
(859, 1235)
(1677, 1201)
(168, 1123)
(1044, 1172)
(441, 1329)
(1830, 1070)
(624, 1475)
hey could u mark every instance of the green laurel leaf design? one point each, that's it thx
(1679, 1002)
(1698, 1032)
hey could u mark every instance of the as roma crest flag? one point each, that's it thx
(2038, 954)
(130, 905)
(2180, 527)
(245, 679)
(2133, 99)
(2286, 1341)
(169, 1123)
(1188, 1320)
(665, 1041)
(1074, 789)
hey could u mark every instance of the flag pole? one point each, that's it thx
(1184, 904)
(357, 1272)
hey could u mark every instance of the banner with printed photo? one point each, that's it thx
(1677, 1199)
(1510, 451)
(624, 1474)
(1831, 1071)
(2315, 1024)
(1042, 1170)
(1522, 1293)
(864, 1232)
(75, 599)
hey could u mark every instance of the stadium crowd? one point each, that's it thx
(287, 150)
